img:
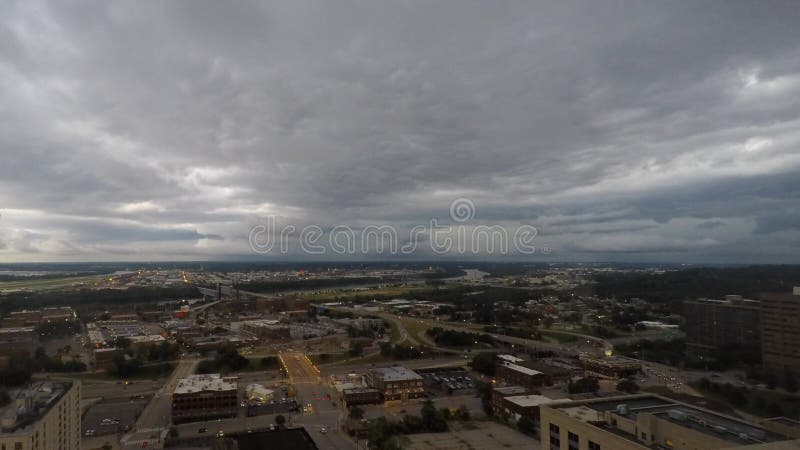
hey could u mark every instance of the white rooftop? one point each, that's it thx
(510, 358)
(533, 400)
(521, 369)
(397, 373)
(198, 383)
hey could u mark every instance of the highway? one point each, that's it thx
(595, 344)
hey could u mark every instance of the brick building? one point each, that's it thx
(396, 383)
(203, 397)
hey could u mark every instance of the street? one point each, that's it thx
(316, 401)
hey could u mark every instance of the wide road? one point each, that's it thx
(319, 408)
(158, 413)
(591, 344)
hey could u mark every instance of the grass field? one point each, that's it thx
(332, 295)
(559, 337)
(49, 283)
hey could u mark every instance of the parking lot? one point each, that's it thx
(111, 417)
(449, 381)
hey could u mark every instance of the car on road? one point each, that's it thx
(89, 433)
(202, 430)
(323, 430)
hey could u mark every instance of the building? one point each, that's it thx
(783, 425)
(103, 358)
(202, 397)
(297, 315)
(58, 314)
(514, 407)
(361, 396)
(396, 383)
(611, 366)
(714, 324)
(24, 318)
(293, 438)
(780, 330)
(518, 375)
(267, 330)
(639, 422)
(36, 317)
(259, 393)
(17, 340)
(46, 415)
(501, 392)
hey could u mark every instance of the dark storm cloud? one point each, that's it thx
(653, 130)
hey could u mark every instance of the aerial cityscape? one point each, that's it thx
(386, 225)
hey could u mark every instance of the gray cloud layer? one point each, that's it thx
(622, 130)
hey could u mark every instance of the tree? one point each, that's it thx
(173, 432)
(774, 410)
(462, 413)
(356, 413)
(280, 420)
(628, 385)
(525, 425)
(583, 386)
(790, 382)
(484, 363)
(356, 349)
(432, 420)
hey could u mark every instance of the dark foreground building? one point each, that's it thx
(286, 439)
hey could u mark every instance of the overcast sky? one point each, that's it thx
(629, 131)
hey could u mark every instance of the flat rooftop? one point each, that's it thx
(611, 361)
(203, 383)
(397, 373)
(690, 417)
(526, 401)
(30, 404)
(521, 369)
(510, 390)
(510, 358)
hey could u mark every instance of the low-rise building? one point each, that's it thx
(611, 366)
(396, 383)
(266, 330)
(17, 340)
(514, 407)
(361, 396)
(518, 375)
(501, 392)
(103, 358)
(259, 393)
(647, 421)
(24, 318)
(202, 397)
(45, 415)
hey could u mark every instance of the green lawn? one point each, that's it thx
(559, 337)
(49, 283)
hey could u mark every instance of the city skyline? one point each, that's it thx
(637, 132)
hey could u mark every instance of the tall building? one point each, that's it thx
(713, 324)
(647, 421)
(780, 332)
(44, 416)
